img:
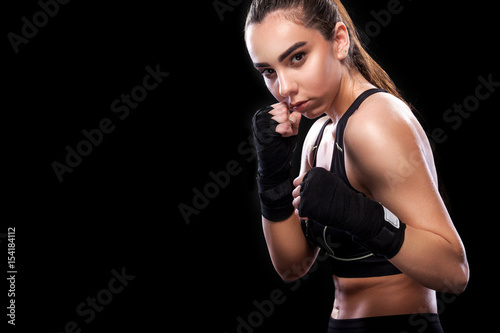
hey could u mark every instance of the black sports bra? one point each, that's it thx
(347, 257)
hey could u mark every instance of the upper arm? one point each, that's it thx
(389, 157)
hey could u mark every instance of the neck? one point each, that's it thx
(351, 86)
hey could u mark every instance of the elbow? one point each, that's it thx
(463, 278)
(455, 273)
(292, 273)
(288, 278)
(294, 268)
(457, 283)
(462, 275)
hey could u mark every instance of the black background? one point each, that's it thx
(119, 209)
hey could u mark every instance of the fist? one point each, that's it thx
(288, 124)
(296, 194)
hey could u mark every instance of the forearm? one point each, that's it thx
(291, 254)
(432, 261)
(275, 135)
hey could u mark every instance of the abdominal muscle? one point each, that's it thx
(381, 296)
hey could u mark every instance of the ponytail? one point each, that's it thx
(361, 59)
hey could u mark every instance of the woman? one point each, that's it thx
(367, 193)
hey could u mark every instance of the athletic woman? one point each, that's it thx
(367, 193)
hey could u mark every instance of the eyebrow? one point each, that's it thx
(283, 55)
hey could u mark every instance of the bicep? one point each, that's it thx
(392, 163)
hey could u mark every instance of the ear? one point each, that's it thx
(341, 41)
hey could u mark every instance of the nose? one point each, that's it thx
(287, 85)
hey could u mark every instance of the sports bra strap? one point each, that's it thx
(342, 122)
(318, 142)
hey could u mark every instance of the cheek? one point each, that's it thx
(323, 76)
(332, 75)
(324, 79)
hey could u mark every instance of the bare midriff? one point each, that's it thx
(381, 296)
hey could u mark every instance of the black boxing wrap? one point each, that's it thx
(274, 173)
(327, 200)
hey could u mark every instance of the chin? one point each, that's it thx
(313, 114)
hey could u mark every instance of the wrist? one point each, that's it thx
(384, 233)
(276, 198)
(274, 176)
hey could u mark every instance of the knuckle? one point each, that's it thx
(279, 118)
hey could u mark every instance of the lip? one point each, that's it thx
(300, 106)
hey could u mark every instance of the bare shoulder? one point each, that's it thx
(384, 119)
(383, 112)
(382, 137)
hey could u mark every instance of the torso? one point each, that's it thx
(381, 296)
(373, 296)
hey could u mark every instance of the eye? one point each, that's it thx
(299, 57)
(268, 72)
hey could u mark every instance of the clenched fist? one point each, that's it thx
(275, 132)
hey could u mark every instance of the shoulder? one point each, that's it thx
(382, 120)
(382, 114)
(384, 138)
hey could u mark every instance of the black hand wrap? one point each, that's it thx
(326, 199)
(274, 174)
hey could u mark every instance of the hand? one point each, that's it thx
(275, 132)
(327, 200)
(296, 194)
(275, 137)
(288, 124)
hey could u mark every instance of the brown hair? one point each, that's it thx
(323, 15)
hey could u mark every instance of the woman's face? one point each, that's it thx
(299, 66)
